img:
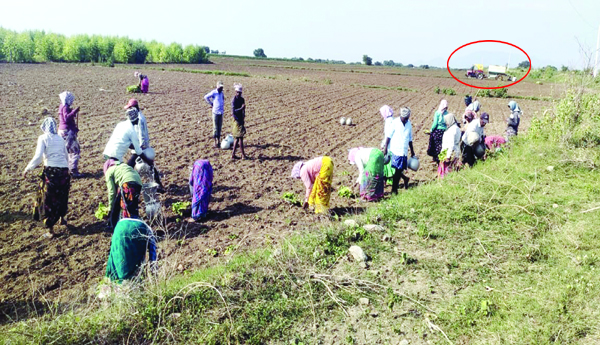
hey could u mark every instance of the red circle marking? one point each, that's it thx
(492, 41)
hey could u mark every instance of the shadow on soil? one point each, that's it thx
(344, 211)
(14, 311)
(289, 158)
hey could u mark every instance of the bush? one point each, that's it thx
(260, 53)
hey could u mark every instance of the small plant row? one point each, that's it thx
(397, 88)
(446, 91)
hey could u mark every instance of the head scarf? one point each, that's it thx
(296, 169)
(475, 106)
(49, 126)
(66, 98)
(485, 117)
(443, 106)
(110, 162)
(132, 113)
(386, 111)
(469, 115)
(468, 100)
(352, 154)
(450, 120)
(238, 87)
(219, 84)
(513, 106)
(405, 113)
(135, 74)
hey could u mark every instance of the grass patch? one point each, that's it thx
(187, 70)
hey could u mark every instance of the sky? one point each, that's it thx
(555, 32)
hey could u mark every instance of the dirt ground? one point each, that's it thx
(293, 112)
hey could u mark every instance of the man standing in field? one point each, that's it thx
(399, 138)
(216, 100)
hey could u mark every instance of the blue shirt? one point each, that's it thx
(400, 135)
(216, 99)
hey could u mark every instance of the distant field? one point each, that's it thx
(293, 113)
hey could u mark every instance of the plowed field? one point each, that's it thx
(293, 112)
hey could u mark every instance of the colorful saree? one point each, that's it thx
(372, 184)
(52, 200)
(321, 191)
(201, 180)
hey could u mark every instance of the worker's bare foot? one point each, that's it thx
(48, 235)
(245, 157)
(190, 220)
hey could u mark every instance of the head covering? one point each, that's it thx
(450, 120)
(443, 106)
(386, 111)
(469, 115)
(110, 162)
(219, 84)
(66, 98)
(404, 112)
(132, 103)
(132, 114)
(296, 169)
(352, 154)
(468, 100)
(475, 106)
(238, 87)
(135, 74)
(485, 118)
(49, 126)
(513, 106)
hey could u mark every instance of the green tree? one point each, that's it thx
(367, 60)
(123, 51)
(194, 54)
(524, 64)
(140, 52)
(377, 63)
(389, 63)
(259, 53)
(173, 53)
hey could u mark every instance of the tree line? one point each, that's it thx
(39, 46)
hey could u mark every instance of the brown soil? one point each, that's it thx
(292, 114)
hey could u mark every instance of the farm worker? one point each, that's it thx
(437, 131)
(125, 136)
(468, 100)
(317, 175)
(201, 183)
(124, 188)
(67, 129)
(388, 116)
(473, 136)
(141, 129)
(144, 82)
(450, 145)
(399, 139)
(238, 112)
(493, 142)
(216, 100)
(369, 162)
(130, 241)
(52, 199)
(513, 120)
(471, 111)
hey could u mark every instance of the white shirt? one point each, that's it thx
(400, 135)
(388, 124)
(451, 141)
(52, 150)
(361, 159)
(141, 129)
(474, 126)
(123, 136)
